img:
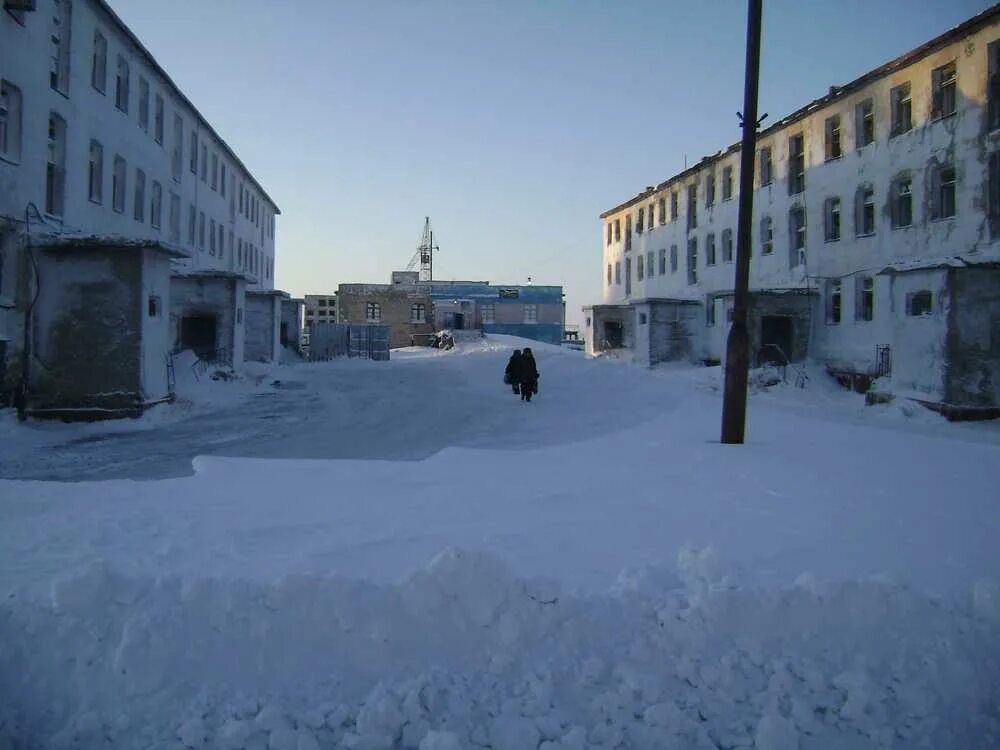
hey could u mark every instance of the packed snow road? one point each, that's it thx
(591, 570)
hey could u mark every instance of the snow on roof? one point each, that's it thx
(88, 241)
(953, 261)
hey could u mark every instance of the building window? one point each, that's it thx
(121, 84)
(833, 301)
(609, 274)
(993, 84)
(796, 164)
(204, 163)
(692, 261)
(727, 183)
(96, 173)
(864, 211)
(55, 168)
(144, 104)
(709, 311)
(609, 233)
(710, 189)
(211, 236)
(831, 219)
(373, 312)
(59, 40)
(487, 313)
(673, 259)
(766, 235)
(643, 319)
(222, 240)
(156, 209)
(727, 245)
(673, 206)
(649, 263)
(628, 276)
(628, 233)
(994, 194)
(118, 172)
(692, 207)
(833, 138)
(201, 231)
(153, 307)
(943, 86)
(901, 208)
(662, 211)
(618, 230)
(663, 261)
(177, 154)
(10, 121)
(193, 156)
(943, 192)
(864, 122)
(710, 249)
(640, 220)
(864, 298)
(175, 217)
(158, 119)
(222, 179)
(920, 303)
(99, 63)
(766, 166)
(618, 272)
(902, 109)
(531, 311)
(796, 236)
(215, 171)
(192, 224)
(640, 267)
(139, 196)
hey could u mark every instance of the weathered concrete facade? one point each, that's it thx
(900, 166)
(207, 315)
(263, 326)
(406, 308)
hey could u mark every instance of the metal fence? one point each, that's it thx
(332, 340)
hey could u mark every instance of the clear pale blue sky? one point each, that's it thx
(512, 124)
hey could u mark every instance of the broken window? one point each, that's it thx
(833, 301)
(59, 50)
(994, 194)
(628, 233)
(10, 121)
(692, 207)
(618, 230)
(417, 312)
(144, 104)
(609, 233)
(640, 220)
(643, 319)
(618, 272)
(673, 259)
(902, 202)
(55, 167)
(797, 236)
(628, 276)
(99, 63)
(662, 211)
(373, 312)
(121, 84)
(766, 235)
(153, 307)
(864, 298)
(831, 219)
(710, 189)
(993, 85)
(193, 156)
(943, 89)
(158, 119)
(920, 303)
(663, 261)
(727, 245)
(902, 109)
(649, 213)
(727, 183)
(796, 164)
(833, 138)
(864, 211)
(673, 206)
(640, 268)
(864, 116)
(95, 181)
(692, 261)
(118, 184)
(204, 163)
(215, 171)
(156, 209)
(710, 249)
(650, 270)
(766, 167)
(943, 192)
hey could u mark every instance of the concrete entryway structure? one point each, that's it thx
(207, 315)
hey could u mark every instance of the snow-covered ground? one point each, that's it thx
(592, 569)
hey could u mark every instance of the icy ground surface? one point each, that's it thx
(589, 570)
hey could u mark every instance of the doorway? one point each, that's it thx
(459, 321)
(775, 340)
(198, 333)
(613, 335)
(284, 334)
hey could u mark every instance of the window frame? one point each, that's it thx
(373, 312)
(12, 133)
(95, 173)
(833, 230)
(99, 63)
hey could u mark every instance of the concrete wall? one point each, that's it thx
(973, 370)
(154, 312)
(87, 330)
(219, 296)
(90, 114)
(396, 302)
(919, 343)
(262, 327)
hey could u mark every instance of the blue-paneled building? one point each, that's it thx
(530, 311)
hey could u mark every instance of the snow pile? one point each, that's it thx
(463, 654)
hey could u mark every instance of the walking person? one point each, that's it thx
(528, 377)
(511, 375)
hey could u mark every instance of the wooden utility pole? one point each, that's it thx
(734, 403)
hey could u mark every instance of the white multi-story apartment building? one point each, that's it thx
(99, 148)
(874, 245)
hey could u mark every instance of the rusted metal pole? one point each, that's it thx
(734, 403)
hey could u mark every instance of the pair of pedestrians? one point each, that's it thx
(522, 373)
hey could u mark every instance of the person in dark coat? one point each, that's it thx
(512, 373)
(528, 375)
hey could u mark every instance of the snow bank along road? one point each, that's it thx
(589, 570)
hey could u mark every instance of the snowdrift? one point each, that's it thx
(463, 654)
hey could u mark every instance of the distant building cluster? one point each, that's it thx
(874, 235)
